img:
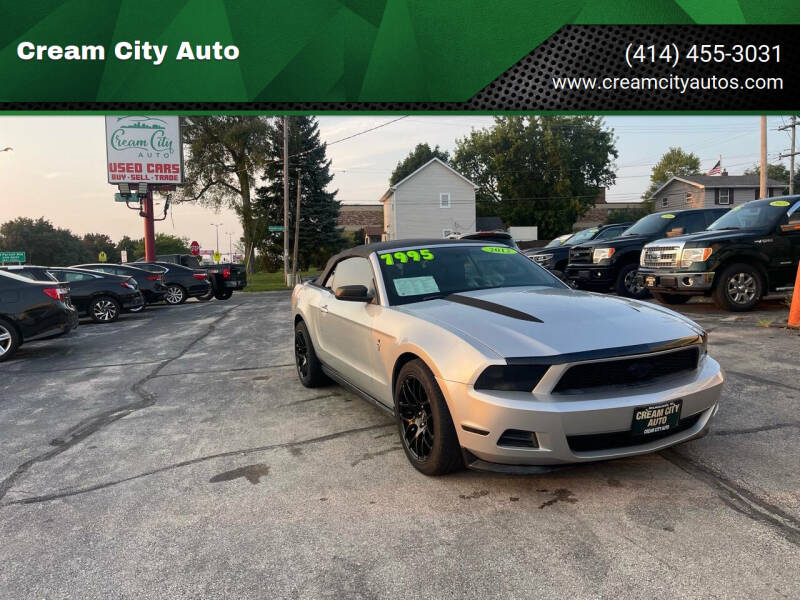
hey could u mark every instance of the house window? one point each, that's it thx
(687, 199)
(664, 202)
(724, 196)
(444, 200)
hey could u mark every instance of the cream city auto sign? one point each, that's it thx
(144, 149)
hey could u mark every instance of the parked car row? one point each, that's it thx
(38, 301)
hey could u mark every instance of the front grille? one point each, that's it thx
(661, 256)
(623, 439)
(580, 255)
(628, 371)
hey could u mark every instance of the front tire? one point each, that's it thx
(104, 309)
(9, 340)
(309, 369)
(426, 429)
(671, 298)
(739, 288)
(629, 283)
(175, 295)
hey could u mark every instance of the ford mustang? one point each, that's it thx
(486, 360)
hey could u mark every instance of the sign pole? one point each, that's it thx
(149, 227)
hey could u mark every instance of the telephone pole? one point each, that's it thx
(763, 178)
(285, 199)
(792, 153)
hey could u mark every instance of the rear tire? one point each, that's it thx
(309, 369)
(628, 283)
(671, 298)
(175, 295)
(9, 340)
(424, 423)
(223, 294)
(104, 309)
(738, 288)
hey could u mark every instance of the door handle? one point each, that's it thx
(324, 308)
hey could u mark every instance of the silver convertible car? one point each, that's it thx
(488, 361)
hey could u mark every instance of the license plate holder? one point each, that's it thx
(650, 281)
(656, 418)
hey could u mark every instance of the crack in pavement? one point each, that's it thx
(128, 364)
(98, 421)
(763, 380)
(224, 370)
(739, 498)
(193, 461)
(756, 429)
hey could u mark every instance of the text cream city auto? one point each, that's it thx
(489, 361)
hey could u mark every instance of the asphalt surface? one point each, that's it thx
(174, 454)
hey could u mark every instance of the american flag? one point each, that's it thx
(716, 169)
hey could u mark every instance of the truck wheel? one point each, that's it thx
(671, 298)
(309, 369)
(223, 294)
(629, 283)
(9, 340)
(423, 420)
(104, 309)
(739, 288)
(207, 296)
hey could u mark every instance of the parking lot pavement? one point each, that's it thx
(174, 455)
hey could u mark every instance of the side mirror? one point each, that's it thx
(674, 232)
(353, 293)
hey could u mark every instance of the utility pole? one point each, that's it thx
(217, 225)
(149, 227)
(296, 232)
(230, 245)
(285, 199)
(791, 154)
(763, 178)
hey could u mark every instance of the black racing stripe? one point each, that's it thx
(492, 307)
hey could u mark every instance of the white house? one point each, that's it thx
(433, 202)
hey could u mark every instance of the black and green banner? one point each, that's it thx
(404, 55)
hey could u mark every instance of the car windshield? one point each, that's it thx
(752, 216)
(650, 225)
(583, 236)
(418, 274)
(560, 241)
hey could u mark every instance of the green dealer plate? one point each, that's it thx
(656, 418)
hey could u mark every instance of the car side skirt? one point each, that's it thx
(339, 378)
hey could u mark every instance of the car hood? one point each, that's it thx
(567, 321)
(710, 236)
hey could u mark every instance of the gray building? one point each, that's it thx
(435, 201)
(707, 191)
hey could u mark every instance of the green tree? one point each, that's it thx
(538, 170)
(165, 244)
(415, 159)
(95, 243)
(319, 210)
(624, 215)
(224, 154)
(674, 162)
(43, 243)
(777, 172)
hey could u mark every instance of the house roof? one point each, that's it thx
(720, 181)
(391, 189)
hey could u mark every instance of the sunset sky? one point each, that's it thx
(56, 168)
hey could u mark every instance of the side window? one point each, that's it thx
(69, 276)
(352, 271)
(690, 223)
(713, 215)
(611, 232)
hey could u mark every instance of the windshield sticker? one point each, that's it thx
(391, 258)
(499, 250)
(735, 208)
(779, 203)
(415, 286)
(668, 216)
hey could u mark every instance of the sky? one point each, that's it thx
(56, 168)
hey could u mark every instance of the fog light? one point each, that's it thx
(688, 281)
(517, 438)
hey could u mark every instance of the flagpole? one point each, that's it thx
(720, 164)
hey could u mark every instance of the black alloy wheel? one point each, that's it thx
(104, 310)
(309, 369)
(416, 417)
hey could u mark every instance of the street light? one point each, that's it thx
(217, 225)
(230, 245)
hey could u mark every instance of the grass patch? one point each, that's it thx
(271, 282)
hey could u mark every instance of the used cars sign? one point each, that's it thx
(144, 149)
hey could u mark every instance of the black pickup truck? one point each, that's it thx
(225, 278)
(614, 263)
(753, 249)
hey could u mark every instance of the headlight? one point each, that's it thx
(601, 254)
(692, 255)
(542, 258)
(511, 378)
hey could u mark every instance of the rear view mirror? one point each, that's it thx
(674, 232)
(353, 293)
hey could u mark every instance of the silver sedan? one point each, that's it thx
(488, 361)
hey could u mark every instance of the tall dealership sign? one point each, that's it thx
(144, 155)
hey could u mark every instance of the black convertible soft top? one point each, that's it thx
(367, 249)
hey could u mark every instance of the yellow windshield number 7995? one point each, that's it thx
(403, 257)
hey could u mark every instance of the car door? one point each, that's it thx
(784, 251)
(345, 327)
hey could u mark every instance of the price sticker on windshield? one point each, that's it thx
(779, 203)
(668, 216)
(499, 250)
(391, 258)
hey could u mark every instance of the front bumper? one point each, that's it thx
(591, 275)
(561, 420)
(677, 281)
